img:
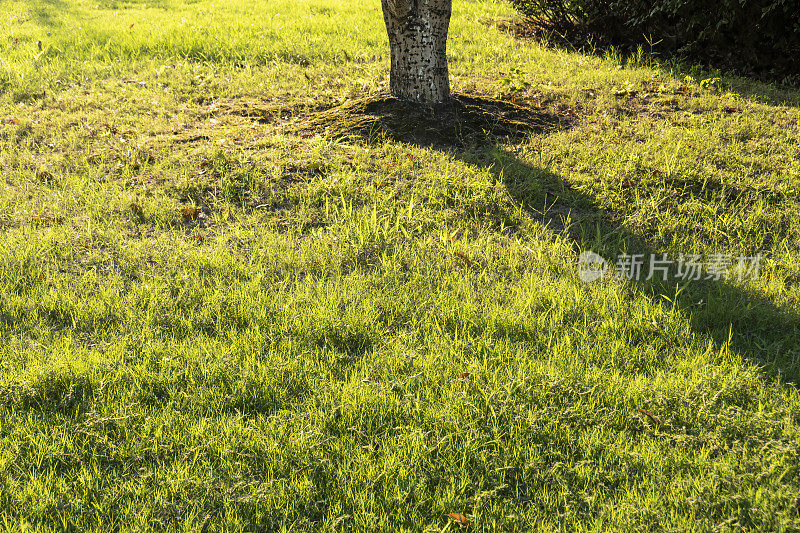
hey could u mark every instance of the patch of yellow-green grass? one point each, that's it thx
(212, 319)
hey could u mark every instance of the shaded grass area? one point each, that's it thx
(772, 87)
(373, 330)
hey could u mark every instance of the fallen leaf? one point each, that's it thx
(653, 418)
(44, 176)
(730, 109)
(46, 219)
(198, 238)
(462, 376)
(459, 518)
(12, 121)
(190, 213)
(462, 256)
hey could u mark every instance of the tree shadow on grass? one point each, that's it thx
(755, 328)
(472, 129)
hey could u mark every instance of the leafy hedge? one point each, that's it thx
(761, 34)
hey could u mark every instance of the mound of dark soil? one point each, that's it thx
(463, 121)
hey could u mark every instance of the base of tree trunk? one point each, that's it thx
(461, 122)
(418, 43)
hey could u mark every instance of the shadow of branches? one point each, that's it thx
(751, 324)
(754, 326)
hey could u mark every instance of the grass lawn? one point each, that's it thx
(212, 322)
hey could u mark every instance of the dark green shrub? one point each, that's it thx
(760, 34)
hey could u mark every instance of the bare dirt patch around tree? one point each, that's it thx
(464, 121)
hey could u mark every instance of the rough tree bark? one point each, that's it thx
(418, 40)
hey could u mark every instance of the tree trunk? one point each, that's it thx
(418, 40)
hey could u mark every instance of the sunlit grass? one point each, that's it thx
(369, 335)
